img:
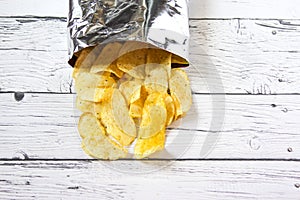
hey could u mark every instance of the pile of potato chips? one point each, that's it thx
(128, 92)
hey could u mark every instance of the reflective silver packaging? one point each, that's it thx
(162, 23)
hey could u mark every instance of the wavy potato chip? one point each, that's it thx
(180, 91)
(106, 61)
(95, 142)
(148, 146)
(154, 116)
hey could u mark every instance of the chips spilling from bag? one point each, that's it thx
(128, 91)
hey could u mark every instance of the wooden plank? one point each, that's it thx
(284, 9)
(227, 56)
(180, 180)
(43, 126)
(267, 9)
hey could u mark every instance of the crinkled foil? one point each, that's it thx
(162, 23)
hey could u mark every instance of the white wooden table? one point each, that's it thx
(247, 52)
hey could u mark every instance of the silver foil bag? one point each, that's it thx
(162, 23)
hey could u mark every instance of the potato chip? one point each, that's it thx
(154, 116)
(106, 61)
(178, 60)
(159, 57)
(156, 79)
(95, 142)
(180, 91)
(85, 60)
(93, 87)
(132, 58)
(115, 116)
(170, 109)
(136, 108)
(148, 146)
(84, 106)
(120, 114)
(131, 90)
(94, 94)
(113, 130)
(88, 80)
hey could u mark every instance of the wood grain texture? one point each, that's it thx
(284, 9)
(227, 56)
(180, 180)
(43, 126)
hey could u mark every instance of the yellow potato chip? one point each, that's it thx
(136, 108)
(88, 80)
(85, 60)
(154, 116)
(95, 142)
(116, 133)
(120, 114)
(159, 57)
(113, 130)
(94, 94)
(131, 90)
(115, 117)
(132, 58)
(106, 61)
(179, 60)
(84, 106)
(178, 108)
(94, 87)
(170, 109)
(148, 146)
(156, 79)
(180, 91)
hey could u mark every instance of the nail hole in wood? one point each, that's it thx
(274, 32)
(290, 149)
(73, 188)
(297, 185)
(19, 96)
